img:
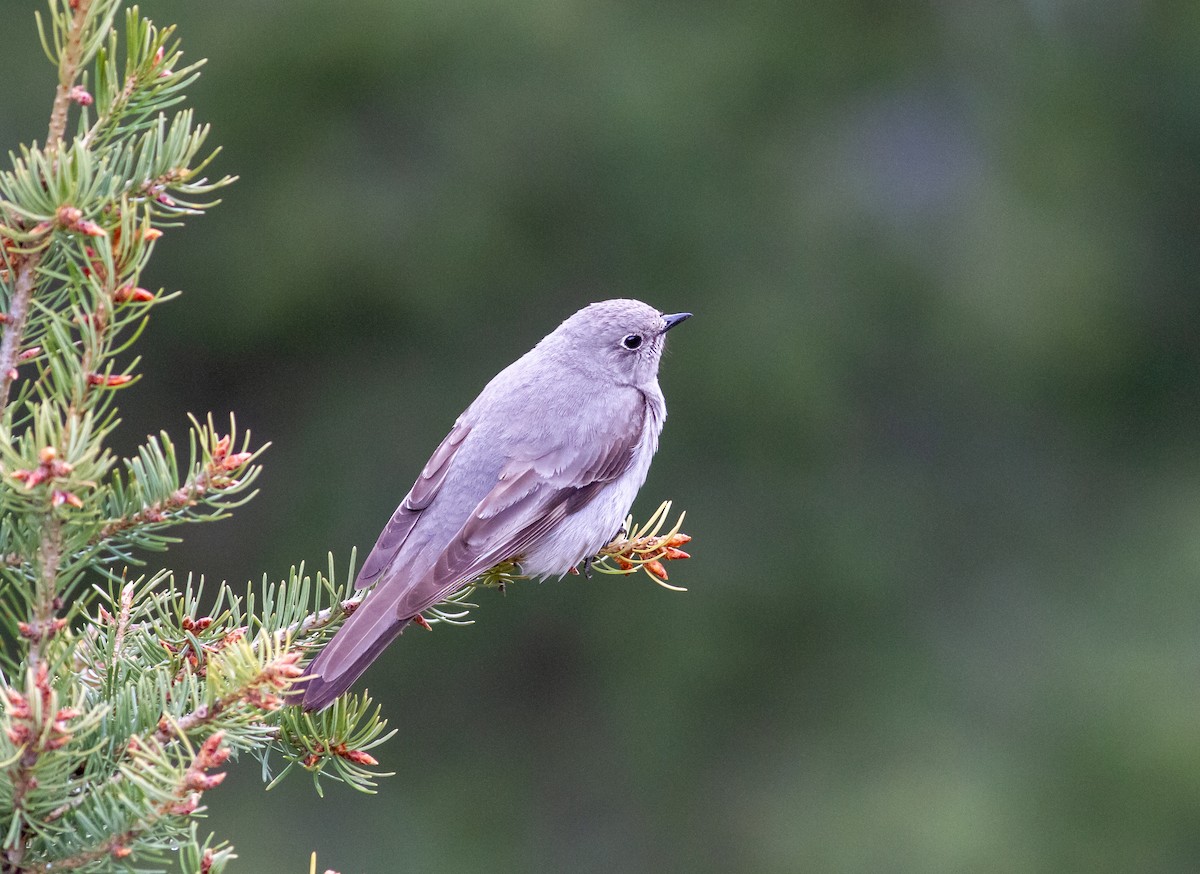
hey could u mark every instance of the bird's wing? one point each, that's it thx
(422, 494)
(534, 493)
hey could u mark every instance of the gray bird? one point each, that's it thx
(541, 469)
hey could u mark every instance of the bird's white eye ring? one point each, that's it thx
(632, 341)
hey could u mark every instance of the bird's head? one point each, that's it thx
(620, 338)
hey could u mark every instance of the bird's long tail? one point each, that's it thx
(357, 644)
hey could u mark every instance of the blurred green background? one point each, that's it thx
(934, 424)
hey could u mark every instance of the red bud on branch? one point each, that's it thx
(112, 380)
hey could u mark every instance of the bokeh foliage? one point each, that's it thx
(934, 422)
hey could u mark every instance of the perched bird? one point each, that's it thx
(541, 470)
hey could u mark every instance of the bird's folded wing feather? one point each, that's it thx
(421, 495)
(533, 495)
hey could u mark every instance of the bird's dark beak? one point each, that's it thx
(674, 319)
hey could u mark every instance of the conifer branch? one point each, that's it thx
(37, 727)
(180, 799)
(262, 691)
(25, 267)
(154, 501)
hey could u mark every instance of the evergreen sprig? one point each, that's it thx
(121, 695)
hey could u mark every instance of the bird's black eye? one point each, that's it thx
(632, 341)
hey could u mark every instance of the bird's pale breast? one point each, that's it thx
(585, 532)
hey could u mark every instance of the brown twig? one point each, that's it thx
(47, 603)
(79, 798)
(187, 495)
(68, 73)
(33, 736)
(123, 620)
(15, 321)
(321, 618)
(95, 854)
(216, 475)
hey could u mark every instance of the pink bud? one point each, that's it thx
(656, 568)
(358, 757)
